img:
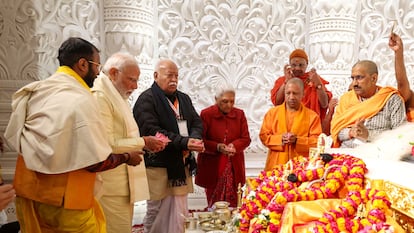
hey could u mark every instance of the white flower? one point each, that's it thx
(251, 195)
(265, 212)
(262, 217)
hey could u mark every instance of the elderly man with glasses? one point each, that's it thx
(367, 109)
(316, 96)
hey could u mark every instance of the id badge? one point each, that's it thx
(182, 127)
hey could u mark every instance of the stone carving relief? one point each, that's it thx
(32, 31)
(16, 34)
(377, 18)
(129, 27)
(30, 35)
(332, 36)
(247, 43)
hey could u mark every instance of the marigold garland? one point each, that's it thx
(271, 191)
(342, 218)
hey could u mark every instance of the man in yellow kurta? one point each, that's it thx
(123, 185)
(290, 129)
(62, 144)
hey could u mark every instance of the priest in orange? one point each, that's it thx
(289, 129)
(316, 96)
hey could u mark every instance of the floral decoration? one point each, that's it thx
(268, 194)
(348, 217)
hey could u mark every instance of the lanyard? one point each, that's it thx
(175, 107)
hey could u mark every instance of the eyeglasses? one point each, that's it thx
(98, 65)
(357, 77)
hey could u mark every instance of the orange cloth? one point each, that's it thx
(300, 216)
(71, 190)
(310, 94)
(36, 217)
(350, 109)
(42, 197)
(305, 123)
(410, 115)
(299, 53)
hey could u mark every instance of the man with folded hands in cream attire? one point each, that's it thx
(125, 184)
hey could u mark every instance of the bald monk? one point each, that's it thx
(289, 129)
(316, 96)
(367, 110)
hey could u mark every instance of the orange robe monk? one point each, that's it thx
(310, 97)
(304, 122)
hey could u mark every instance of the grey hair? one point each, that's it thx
(119, 61)
(224, 89)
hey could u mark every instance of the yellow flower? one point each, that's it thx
(341, 224)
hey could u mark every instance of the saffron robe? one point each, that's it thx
(304, 123)
(310, 94)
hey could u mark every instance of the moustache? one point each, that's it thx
(172, 84)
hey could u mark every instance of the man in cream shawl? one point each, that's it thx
(123, 185)
(61, 144)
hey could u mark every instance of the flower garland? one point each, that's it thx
(272, 190)
(342, 218)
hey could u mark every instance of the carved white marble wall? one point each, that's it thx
(332, 36)
(129, 27)
(30, 35)
(244, 43)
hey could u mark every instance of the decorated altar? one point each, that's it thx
(334, 190)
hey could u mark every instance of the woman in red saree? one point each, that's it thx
(221, 166)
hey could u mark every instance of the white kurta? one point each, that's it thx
(124, 137)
